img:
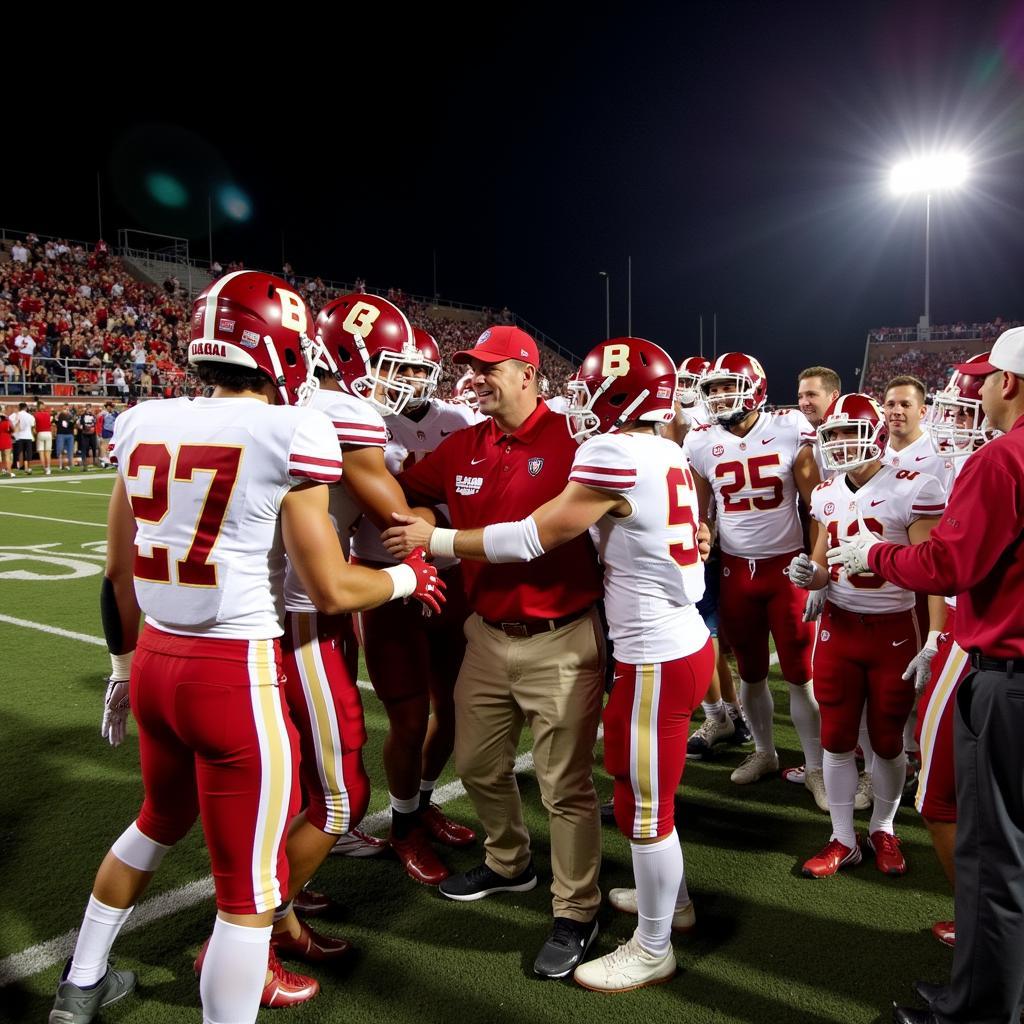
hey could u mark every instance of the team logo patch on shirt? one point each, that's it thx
(468, 485)
(824, 636)
(718, 451)
(421, 435)
(829, 509)
(249, 339)
(535, 466)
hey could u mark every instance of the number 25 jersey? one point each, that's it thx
(752, 477)
(206, 479)
(653, 575)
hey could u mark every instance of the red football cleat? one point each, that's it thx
(309, 945)
(945, 932)
(888, 856)
(833, 856)
(311, 903)
(444, 830)
(418, 857)
(285, 988)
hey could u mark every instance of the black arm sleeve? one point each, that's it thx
(111, 617)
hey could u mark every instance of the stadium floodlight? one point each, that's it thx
(937, 172)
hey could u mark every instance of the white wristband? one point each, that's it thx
(442, 542)
(403, 579)
(121, 666)
(932, 643)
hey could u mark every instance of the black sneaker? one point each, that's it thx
(741, 733)
(481, 881)
(608, 814)
(565, 947)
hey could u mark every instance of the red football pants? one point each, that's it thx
(215, 740)
(756, 599)
(328, 713)
(646, 721)
(858, 660)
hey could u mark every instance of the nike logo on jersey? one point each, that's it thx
(445, 433)
(474, 462)
(897, 643)
(921, 458)
(767, 440)
(879, 502)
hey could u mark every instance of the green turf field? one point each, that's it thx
(769, 945)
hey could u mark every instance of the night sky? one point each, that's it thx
(738, 151)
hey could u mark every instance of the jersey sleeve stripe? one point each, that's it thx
(321, 477)
(589, 481)
(606, 470)
(313, 460)
(345, 424)
(929, 508)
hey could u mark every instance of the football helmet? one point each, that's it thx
(257, 321)
(749, 387)
(957, 422)
(423, 386)
(620, 380)
(841, 454)
(691, 372)
(463, 393)
(366, 340)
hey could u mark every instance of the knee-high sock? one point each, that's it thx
(759, 706)
(233, 973)
(840, 771)
(888, 777)
(803, 709)
(100, 926)
(658, 869)
(864, 739)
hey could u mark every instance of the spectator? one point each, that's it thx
(6, 441)
(67, 427)
(44, 435)
(24, 424)
(19, 254)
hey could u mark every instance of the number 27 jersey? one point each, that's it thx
(206, 479)
(752, 477)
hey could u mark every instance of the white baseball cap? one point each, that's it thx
(1007, 354)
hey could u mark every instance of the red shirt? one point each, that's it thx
(6, 436)
(43, 421)
(485, 476)
(976, 552)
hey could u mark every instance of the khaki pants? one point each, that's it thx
(554, 682)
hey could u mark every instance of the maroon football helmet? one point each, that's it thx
(463, 393)
(858, 411)
(423, 386)
(621, 380)
(690, 373)
(366, 341)
(957, 422)
(749, 387)
(256, 321)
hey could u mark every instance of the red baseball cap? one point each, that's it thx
(499, 343)
(1007, 354)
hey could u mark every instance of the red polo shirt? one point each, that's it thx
(976, 552)
(485, 476)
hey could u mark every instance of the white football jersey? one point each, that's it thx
(890, 501)
(653, 575)
(206, 479)
(409, 441)
(558, 403)
(696, 415)
(357, 425)
(752, 478)
(919, 455)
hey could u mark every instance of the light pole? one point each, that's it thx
(607, 302)
(940, 172)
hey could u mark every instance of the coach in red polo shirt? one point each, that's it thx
(535, 649)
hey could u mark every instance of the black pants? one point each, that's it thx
(24, 450)
(987, 982)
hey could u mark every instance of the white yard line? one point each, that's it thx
(54, 630)
(73, 494)
(41, 478)
(50, 519)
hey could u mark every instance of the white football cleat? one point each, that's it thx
(626, 968)
(814, 780)
(865, 795)
(683, 920)
(756, 766)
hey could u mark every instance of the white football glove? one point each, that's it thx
(802, 570)
(920, 668)
(852, 554)
(814, 604)
(115, 711)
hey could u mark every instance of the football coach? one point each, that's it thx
(535, 646)
(977, 553)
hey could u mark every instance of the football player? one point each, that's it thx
(632, 489)
(402, 366)
(958, 427)
(868, 627)
(755, 467)
(210, 495)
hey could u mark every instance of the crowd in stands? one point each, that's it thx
(989, 330)
(934, 368)
(124, 337)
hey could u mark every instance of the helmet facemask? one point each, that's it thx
(842, 454)
(727, 407)
(958, 426)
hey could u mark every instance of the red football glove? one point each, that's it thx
(429, 586)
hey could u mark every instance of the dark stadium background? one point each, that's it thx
(738, 152)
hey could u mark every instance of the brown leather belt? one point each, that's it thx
(533, 627)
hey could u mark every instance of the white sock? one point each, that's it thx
(840, 772)
(233, 973)
(282, 911)
(757, 700)
(410, 806)
(427, 785)
(715, 712)
(100, 926)
(864, 738)
(887, 780)
(683, 893)
(803, 709)
(658, 870)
